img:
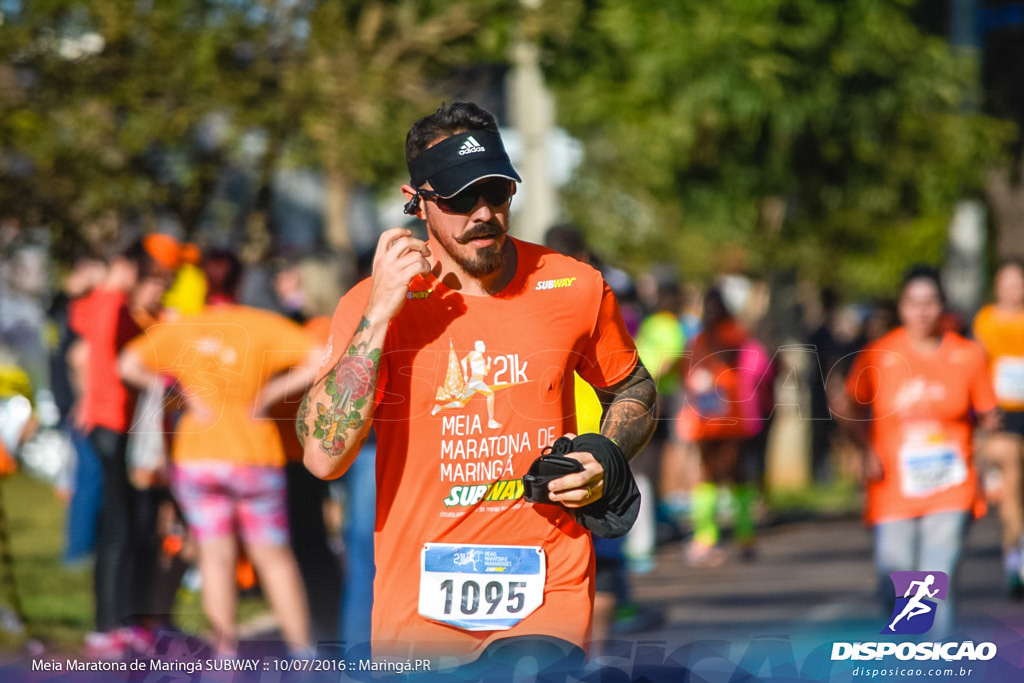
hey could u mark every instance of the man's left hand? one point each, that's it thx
(579, 488)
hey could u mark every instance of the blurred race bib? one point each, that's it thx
(927, 468)
(1009, 379)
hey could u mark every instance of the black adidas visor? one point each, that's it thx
(457, 162)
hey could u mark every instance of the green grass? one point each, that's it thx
(57, 601)
(839, 497)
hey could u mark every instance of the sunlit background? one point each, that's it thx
(777, 148)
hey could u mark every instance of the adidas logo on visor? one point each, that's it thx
(470, 146)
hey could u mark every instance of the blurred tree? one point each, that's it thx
(832, 137)
(114, 108)
(104, 101)
(1003, 79)
(367, 71)
(110, 107)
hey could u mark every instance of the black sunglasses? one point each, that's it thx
(495, 192)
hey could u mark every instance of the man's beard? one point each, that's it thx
(478, 262)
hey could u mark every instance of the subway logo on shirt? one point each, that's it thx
(466, 496)
(555, 284)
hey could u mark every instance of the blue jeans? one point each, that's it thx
(360, 483)
(86, 500)
(933, 542)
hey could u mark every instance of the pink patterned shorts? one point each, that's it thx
(225, 499)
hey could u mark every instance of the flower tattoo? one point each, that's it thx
(348, 386)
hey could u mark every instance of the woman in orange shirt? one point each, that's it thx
(922, 392)
(233, 362)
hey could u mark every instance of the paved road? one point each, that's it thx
(776, 619)
(811, 585)
(806, 573)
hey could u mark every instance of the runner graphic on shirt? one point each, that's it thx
(458, 390)
(915, 606)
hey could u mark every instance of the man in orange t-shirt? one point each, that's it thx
(999, 327)
(921, 391)
(466, 568)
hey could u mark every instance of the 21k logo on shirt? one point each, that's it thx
(478, 373)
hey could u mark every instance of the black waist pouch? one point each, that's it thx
(547, 467)
(611, 516)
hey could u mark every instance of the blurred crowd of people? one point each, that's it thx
(179, 402)
(906, 400)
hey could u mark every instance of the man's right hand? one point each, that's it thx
(399, 258)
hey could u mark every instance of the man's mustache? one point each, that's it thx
(480, 231)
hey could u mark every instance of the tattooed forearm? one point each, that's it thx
(630, 411)
(336, 412)
(348, 387)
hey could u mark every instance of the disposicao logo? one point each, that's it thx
(914, 614)
(916, 593)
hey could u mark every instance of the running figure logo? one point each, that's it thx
(468, 376)
(468, 557)
(914, 613)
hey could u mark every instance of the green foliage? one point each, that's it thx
(842, 497)
(367, 71)
(831, 137)
(111, 101)
(807, 132)
(108, 96)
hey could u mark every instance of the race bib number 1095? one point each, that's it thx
(480, 587)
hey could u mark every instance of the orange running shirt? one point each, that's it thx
(224, 355)
(1002, 335)
(922, 414)
(448, 472)
(713, 408)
